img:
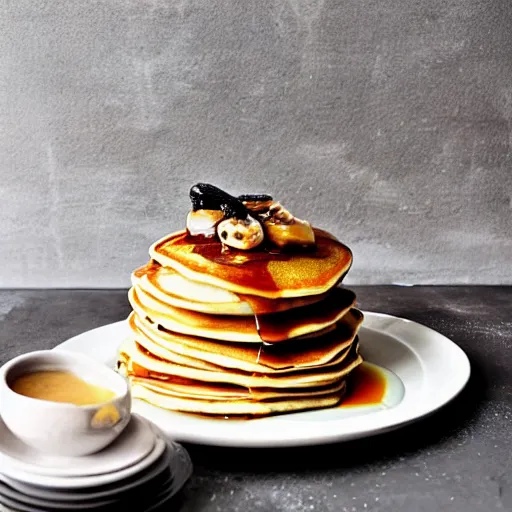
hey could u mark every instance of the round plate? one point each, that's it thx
(24, 503)
(133, 444)
(177, 468)
(16, 505)
(12, 494)
(432, 369)
(174, 473)
(110, 493)
(80, 482)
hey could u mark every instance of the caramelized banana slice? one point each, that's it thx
(284, 229)
(203, 222)
(298, 232)
(243, 234)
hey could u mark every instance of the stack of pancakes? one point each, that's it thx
(241, 333)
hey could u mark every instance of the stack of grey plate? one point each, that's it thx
(140, 470)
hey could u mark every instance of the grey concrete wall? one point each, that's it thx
(386, 122)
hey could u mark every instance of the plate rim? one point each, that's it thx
(143, 427)
(300, 435)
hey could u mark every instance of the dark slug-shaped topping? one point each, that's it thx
(243, 222)
(236, 228)
(209, 197)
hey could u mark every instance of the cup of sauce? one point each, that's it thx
(63, 403)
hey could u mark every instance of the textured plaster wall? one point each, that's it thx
(386, 122)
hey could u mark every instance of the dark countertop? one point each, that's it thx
(459, 459)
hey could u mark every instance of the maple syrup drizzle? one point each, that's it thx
(255, 263)
(278, 327)
(366, 386)
(265, 331)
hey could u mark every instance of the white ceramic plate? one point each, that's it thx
(24, 503)
(162, 492)
(29, 501)
(181, 467)
(135, 442)
(178, 467)
(79, 495)
(60, 482)
(431, 368)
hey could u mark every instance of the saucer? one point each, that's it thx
(9, 494)
(135, 442)
(152, 476)
(163, 490)
(159, 482)
(79, 482)
(154, 503)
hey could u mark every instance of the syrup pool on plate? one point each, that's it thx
(371, 388)
(367, 386)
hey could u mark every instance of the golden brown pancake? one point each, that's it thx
(256, 272)
(135, 361)
(239, 407)
(168, 286)
(250, 357)
(159, 351)
(186, 388)
(272, 328)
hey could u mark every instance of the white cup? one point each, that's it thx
(58, 428)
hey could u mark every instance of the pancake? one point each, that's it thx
(251, 357)
(237, 407)
(175, 357)
(186, 388)
(257, 272)
(168, 286)
(272, 328)
(134, 360)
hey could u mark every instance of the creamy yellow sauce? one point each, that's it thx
(61, 386)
